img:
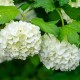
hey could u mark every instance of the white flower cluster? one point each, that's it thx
(6, 3)
(74, 4)
(66, 17)
(19, 40)
(56, 55)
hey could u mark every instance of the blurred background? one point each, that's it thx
(32, 69)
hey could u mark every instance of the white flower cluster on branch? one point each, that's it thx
(74, 4)
(19, 40)
(6, 3)
(59, 55)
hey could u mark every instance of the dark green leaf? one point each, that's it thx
(73, 0)
(54, 16)
(74, 13)
(24, 6)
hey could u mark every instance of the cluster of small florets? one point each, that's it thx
(75, 4)
(6, 3)
(19, 40)
(58, 55)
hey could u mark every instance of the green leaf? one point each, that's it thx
(24, 6)
(48, 5)
(73, 12)
(54, 16)
(35, 60)
(70, 32)
(73, 0)
(62, 2)
(7, 13)
(48, 27)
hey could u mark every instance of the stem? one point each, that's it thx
(22, 17)
(24, 13)
(60, 17)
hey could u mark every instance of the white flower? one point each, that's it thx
(56, 55)
(74, 4)
(19, 40)
(6, 3)
(66, 17)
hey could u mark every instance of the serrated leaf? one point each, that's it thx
(73, 12)
(48, 5)
(7, 13)
(48, 27)
(70, 32)
(62, 2)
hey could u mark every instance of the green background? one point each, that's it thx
(32, 69)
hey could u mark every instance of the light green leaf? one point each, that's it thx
(7, 13)
(70, 32)
(48, 5)
(48, 27)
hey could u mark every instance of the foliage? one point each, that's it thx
(70, 32)
(7, 13)
(70, 11)
(62, 2)
(48, 5)
(26, 70)
(48, 27)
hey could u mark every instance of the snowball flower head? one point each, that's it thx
(56, 55)
(6, 3)
(74, 4)
(19, 40)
